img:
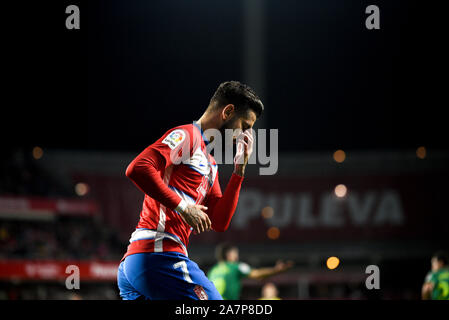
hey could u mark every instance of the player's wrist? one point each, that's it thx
(182, 206)
(239, 170)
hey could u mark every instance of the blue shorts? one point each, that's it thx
(163, 276)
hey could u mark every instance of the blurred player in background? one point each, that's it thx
(436, 284)
(228, 272)
(269, 292)
(182, 194)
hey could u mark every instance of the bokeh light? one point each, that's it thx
(339, 156)
(341, 190)
(421, 152)
(332, 262)
(37, 153)
(273, 233)
(81, 189)
(267, 212)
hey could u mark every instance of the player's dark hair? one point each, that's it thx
(222, 250)
(441, 256)
(240, 95)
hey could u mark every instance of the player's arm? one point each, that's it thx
(222, 207)
(263, 273)
(427, 287)
(426, 290)
(146, 171)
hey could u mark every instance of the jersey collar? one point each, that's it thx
(195, 123)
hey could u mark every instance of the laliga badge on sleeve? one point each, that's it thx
(174, 138)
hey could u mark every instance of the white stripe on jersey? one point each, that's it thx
(183, 196)
(142, 234)
(162, 216)
(160, 229)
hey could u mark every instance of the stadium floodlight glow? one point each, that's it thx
(37, 152)
(267, 212)
(273, 233)
(340, 190)
(339, 156)
(332, 262)
(81, 189)
(421, 152)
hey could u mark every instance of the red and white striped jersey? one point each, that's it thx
(174, 171)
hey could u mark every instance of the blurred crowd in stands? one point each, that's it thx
(78, 238)
(21, 175)
(60, 238)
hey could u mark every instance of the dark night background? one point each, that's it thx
(133, 71)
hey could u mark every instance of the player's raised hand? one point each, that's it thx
(282, 266)
(244, 149)
(195, 217)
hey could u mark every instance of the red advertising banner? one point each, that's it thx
(57, 270)
(298, 208)
(361, 208)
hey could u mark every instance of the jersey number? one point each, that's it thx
(183, 266)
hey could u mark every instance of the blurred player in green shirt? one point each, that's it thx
(228, 272)
(436, 284)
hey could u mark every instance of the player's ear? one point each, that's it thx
(227, 112)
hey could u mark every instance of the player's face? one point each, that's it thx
(436, 265)
(246, 121)
(233, 255)
(270, 291)
(242, 122)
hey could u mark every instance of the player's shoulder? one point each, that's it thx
(186, 127)
(188, 130)
(244, 268)
(430, 276)
(181, 135)
(443, 274)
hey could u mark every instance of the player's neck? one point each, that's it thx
(207, 121)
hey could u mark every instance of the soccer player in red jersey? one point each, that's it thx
(182, 194)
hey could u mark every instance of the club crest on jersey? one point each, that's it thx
(202, 190)
(174, 138)
(201, 294)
